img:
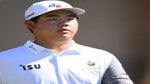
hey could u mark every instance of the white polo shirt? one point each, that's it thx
(34, 64)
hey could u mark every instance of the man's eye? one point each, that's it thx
(53, 18)
(70, 18)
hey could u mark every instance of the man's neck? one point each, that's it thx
(58, 46)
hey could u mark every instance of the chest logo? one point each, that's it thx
(30, 66)
(91, 65)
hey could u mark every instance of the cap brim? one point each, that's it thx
(77, 11)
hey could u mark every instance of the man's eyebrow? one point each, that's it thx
(68, 15)
(72, 15)
(55, 15)
(51, 15)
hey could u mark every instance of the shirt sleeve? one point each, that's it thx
(115, 74)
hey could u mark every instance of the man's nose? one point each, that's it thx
(63, 22)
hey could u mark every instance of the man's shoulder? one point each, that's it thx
(95, 51)
(12, 51)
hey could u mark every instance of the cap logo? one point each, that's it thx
(30, 15)
(55, 5)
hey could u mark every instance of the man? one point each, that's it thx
(53, 57)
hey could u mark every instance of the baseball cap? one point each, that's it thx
(42, 7)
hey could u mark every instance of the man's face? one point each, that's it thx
(56, 25)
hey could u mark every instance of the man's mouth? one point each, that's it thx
(63, 30)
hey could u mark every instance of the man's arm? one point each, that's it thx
(115, 74)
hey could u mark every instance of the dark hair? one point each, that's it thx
(35, 20)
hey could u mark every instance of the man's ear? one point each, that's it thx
(29, 24)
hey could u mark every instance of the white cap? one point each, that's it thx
(42, 7)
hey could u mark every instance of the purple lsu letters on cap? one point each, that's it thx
(42, 7)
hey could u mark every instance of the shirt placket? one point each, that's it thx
(55, 62)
